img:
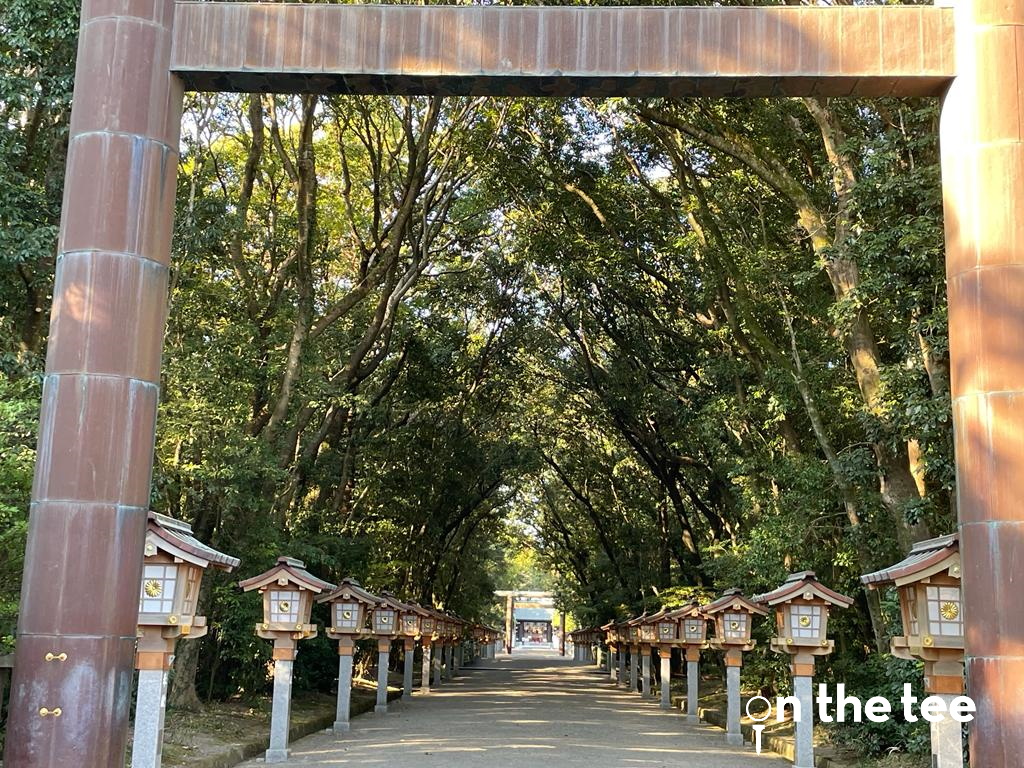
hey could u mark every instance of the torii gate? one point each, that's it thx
(136, 57)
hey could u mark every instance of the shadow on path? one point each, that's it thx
(533, 709)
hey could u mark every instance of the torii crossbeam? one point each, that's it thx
(135, 59)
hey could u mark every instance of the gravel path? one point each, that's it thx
(534, 710)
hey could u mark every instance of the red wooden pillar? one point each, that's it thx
(80, 597)
(983, 185)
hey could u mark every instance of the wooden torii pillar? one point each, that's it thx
(99, 400)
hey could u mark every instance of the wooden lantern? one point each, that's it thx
(172, 573)
(288, 590)
(733, 615)
(384, 615)
(413, 619)
(663, 629)
(350, 606)
(802, 606)
(931, 602)
(693, 625)
(633, 625)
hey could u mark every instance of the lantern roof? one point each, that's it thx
(803, 584)
(388, 600)
(654, 618)
(413, 607)
(926, 558)
(730, 599)
(349, 589)
(636, 620)
(291, 570)
(688, 611)
(175, 538)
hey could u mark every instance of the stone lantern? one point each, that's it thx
(802, 606)
(664, 629)
(733, 615)
(635, 649)
(411, 622)
(611, 639)
(620, 633)
(692, 633)
(350, 607)
(649, 629)
(931, 602)
(384, 618)
(172, 573)
(428, 629)
(288, 590)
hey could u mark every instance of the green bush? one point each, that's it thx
(881, 676)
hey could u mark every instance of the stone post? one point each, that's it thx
(346, 647)
(438, 664)
(947, 739)
(621, 658)
(692, 685)
(407, 670)
(94, 453)
(150, 707)
(646, 690)
(803, 689)
(665, 652)
(982, 145)
(733, 663)
(383, 660)
(613, 666)
(634, 668)
(456, 659)
(945, 679)
(280, 716)
(426, 664)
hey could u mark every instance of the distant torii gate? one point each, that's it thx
(135, 59)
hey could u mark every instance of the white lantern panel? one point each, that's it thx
(805, 621)
(667, 631)
(944, 615)
(346, 616)
(384, 621)
(410, 624)
(693, 629)
(284, 606)
(735, 626)
(158, 584)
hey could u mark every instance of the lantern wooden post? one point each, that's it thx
(931, 603)
(350, 605)
(172, 574)
(733, 615)
(288, 591)
(801, 620)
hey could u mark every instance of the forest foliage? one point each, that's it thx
(640, 347)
